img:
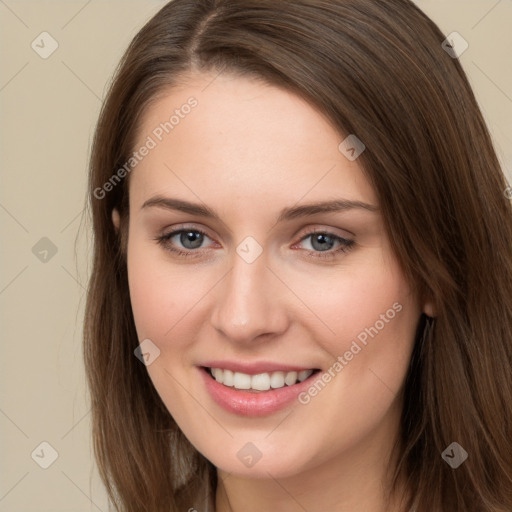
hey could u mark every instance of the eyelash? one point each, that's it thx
(345, 246)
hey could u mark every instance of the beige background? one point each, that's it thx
(48, 111)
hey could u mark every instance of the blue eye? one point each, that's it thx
(191, 239)
(324, 241)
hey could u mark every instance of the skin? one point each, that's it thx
(247, 151)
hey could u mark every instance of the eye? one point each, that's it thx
(189, 238)
(322, 243)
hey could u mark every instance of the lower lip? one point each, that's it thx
(253, 404)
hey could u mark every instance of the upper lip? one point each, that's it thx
(256, 367)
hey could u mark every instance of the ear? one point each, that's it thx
(116, 218)
(429, 309)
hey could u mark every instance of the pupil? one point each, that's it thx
(195, 239)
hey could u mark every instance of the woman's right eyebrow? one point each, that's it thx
(286, 214)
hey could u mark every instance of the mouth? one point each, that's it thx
(261, 382)
(257, 388)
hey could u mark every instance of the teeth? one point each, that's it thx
(218, 374)
(226, 377)
(242, 381)
(290, 378)
(261, 381)
(277, 380)
(304, 374)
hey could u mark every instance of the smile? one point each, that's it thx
(258, 393)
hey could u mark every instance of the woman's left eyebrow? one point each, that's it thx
(286, 214)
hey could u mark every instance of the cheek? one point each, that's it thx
(366, 314)
(163, 297)
(161, 294)
(154, 301)
(338, 304)
(346, 300)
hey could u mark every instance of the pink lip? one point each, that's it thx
(249, 404)
(254, 368)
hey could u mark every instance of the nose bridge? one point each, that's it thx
(247, 305)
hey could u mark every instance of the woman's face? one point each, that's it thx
(262, 285)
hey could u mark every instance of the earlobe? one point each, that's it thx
(428, 309)
(116, 218)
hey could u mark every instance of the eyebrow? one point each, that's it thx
(286, 214)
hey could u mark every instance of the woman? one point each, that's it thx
(301, 296)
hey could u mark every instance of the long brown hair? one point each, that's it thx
(376, 69)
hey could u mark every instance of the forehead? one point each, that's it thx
(245, 134)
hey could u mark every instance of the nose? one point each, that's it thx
(250, 303)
